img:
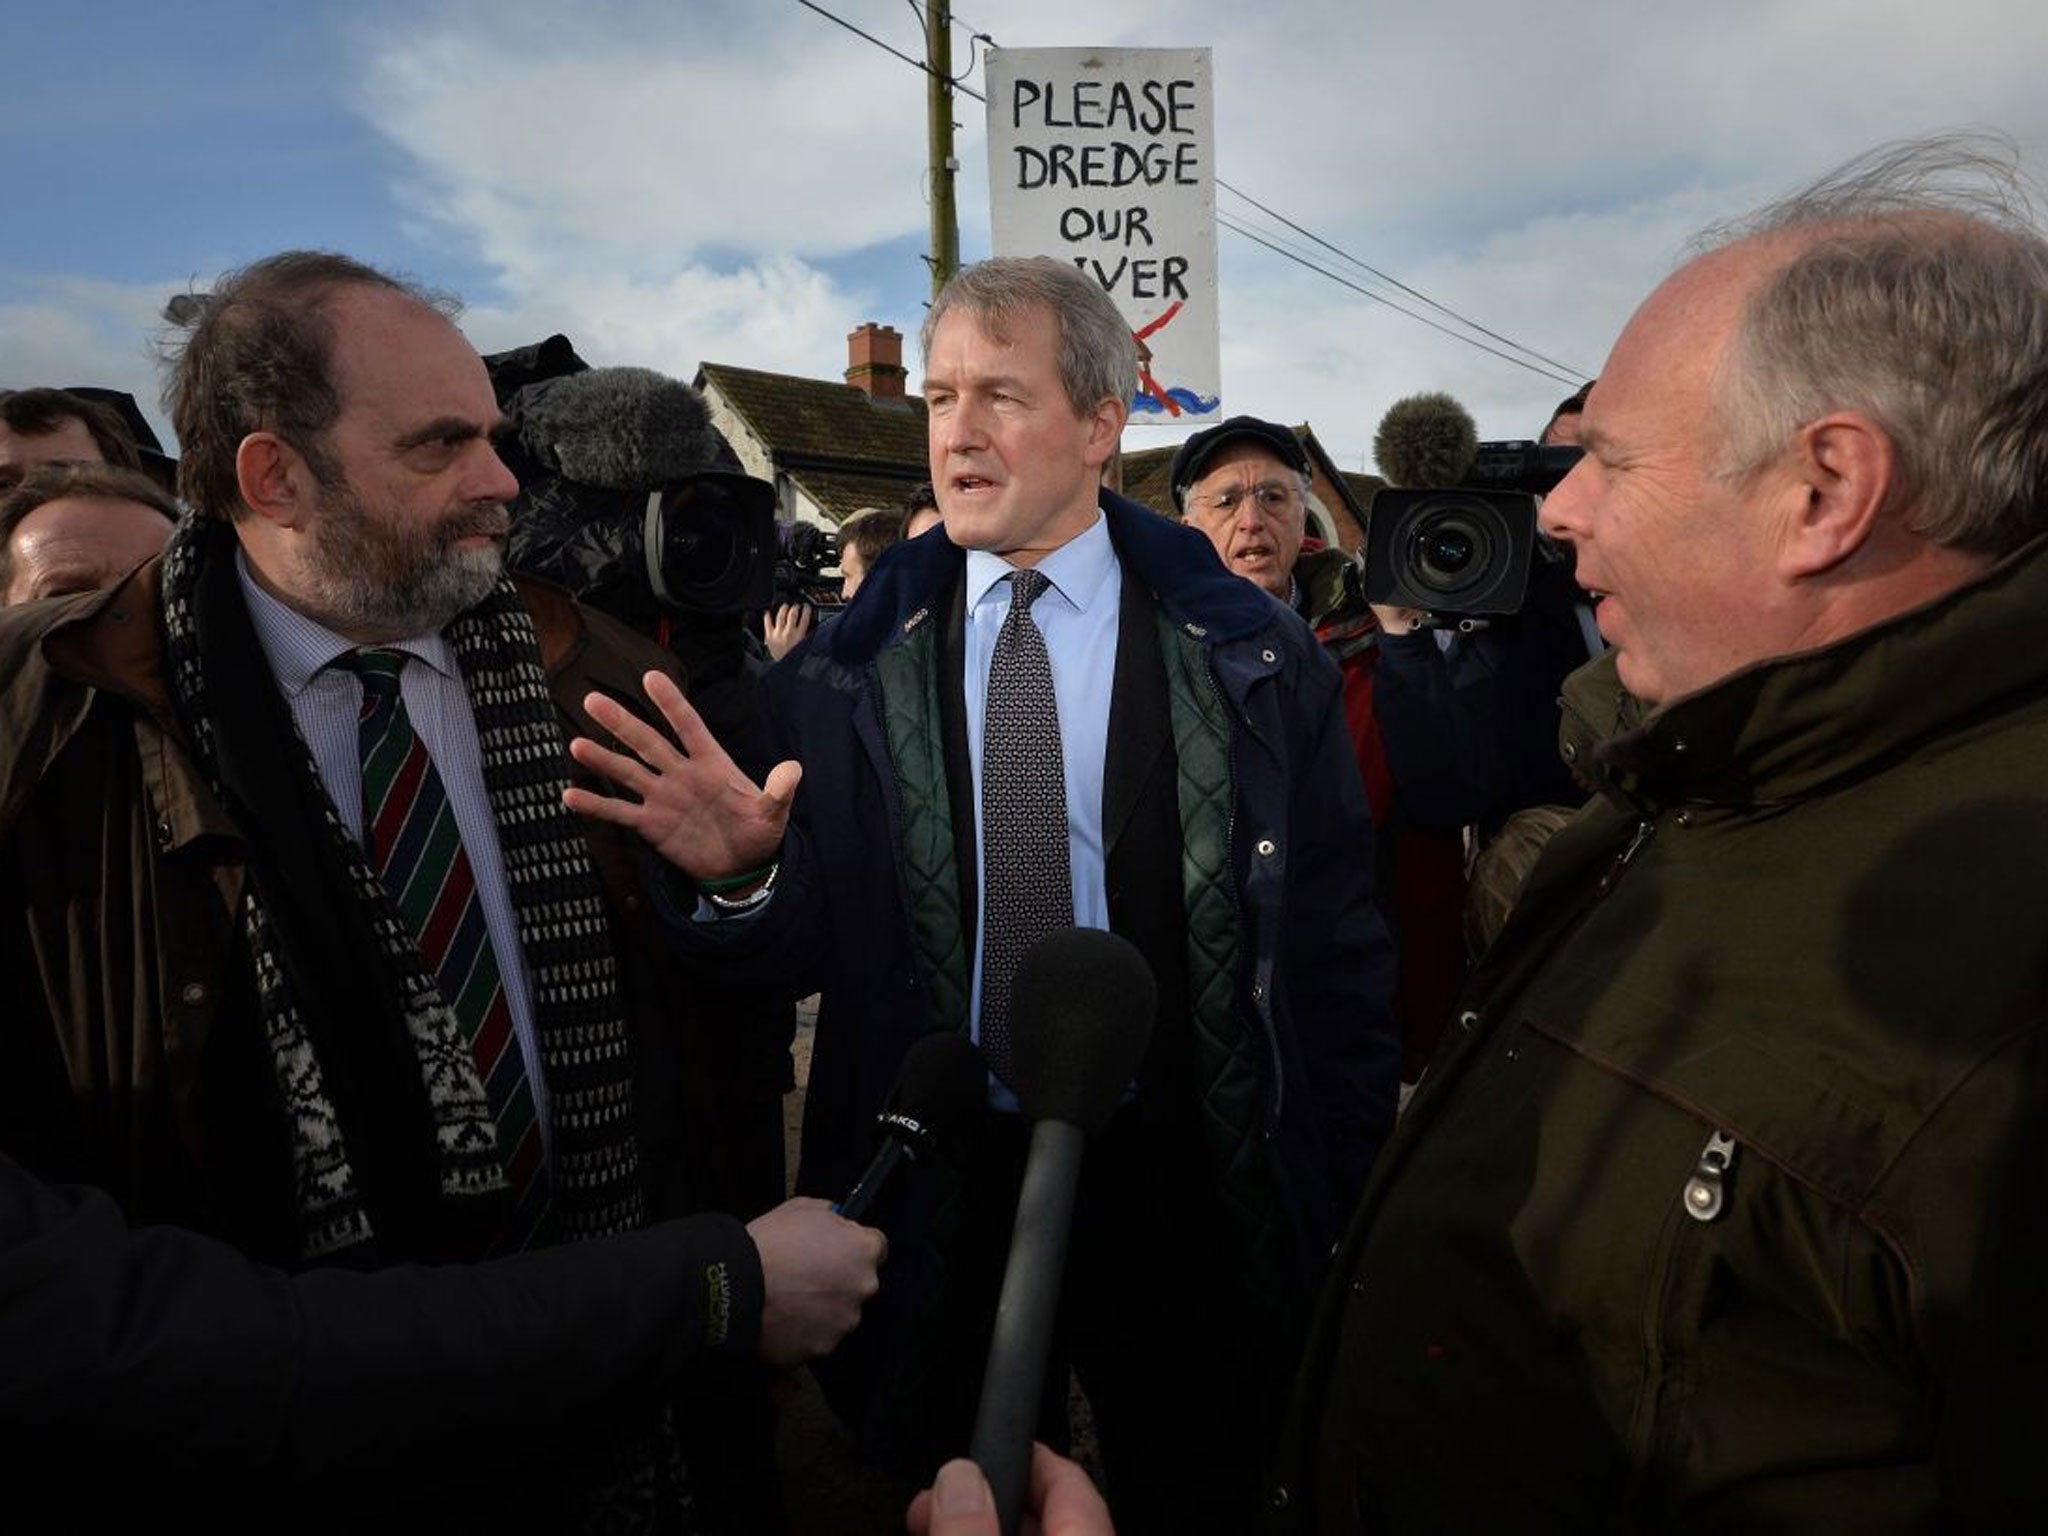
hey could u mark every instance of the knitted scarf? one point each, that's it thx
(394, 1151)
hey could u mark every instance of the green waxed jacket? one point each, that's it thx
(1719, 1210)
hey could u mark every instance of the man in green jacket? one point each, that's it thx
(1714, 1212)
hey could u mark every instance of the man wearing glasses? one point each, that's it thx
(1245, 483)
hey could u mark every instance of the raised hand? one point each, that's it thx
(694, 807)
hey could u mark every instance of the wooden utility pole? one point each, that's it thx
(938, 55)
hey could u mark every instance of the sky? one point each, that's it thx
(743, 182)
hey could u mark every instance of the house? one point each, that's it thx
(828, 447)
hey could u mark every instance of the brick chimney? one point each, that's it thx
(874, 361)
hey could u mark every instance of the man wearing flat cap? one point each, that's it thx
(1245, 483)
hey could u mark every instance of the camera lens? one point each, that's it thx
(717, 555)
(1447, 551)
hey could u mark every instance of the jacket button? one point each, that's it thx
(163, 832)
(1569, 751)
(1269, 657)
(1258, 994)
(1466, 1021)
(1281, 1497)
(1266, 845)
(193, 993)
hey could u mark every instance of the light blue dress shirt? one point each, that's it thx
(325, 701)
(1078, 616)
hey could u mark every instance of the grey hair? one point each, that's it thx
(1098, 357)
(1917, 295)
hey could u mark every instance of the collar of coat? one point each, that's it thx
(1792, 727)
(1176, 563)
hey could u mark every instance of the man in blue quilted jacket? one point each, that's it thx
(1059, 648)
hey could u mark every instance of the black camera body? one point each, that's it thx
(709, 544)
(1463, 551)
(629, 496)
(804, 553)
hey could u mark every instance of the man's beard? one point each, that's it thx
(372, 573)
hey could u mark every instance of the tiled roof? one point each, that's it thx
(1362, 486)
(1145, 478)
(841, 494)
(822, 418)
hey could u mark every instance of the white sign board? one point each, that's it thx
(1105, 157)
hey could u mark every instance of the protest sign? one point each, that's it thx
(1105, 157)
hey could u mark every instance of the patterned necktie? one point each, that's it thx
(1028, 878)
(410, 832)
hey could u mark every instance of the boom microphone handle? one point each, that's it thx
(1080, 1017)
(1006, 1422)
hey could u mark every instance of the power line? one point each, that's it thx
(914, 63)
(1564, 373)
(1580, 374)
(1378, 298)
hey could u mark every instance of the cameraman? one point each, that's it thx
(862, 538)
(1245, 484)
(1472, 714)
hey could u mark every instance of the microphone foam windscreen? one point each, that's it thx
(1426, 440)
(942, 1085)
(1080, 1018)
(620, 429)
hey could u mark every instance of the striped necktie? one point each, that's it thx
(409, 830)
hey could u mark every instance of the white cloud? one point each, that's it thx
(674, 183)
(776, 314)
(637, 138)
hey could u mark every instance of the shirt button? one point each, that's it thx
(1266, 845)
(193, 993)
(1269, 657)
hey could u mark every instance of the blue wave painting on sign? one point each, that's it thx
(1184, 401)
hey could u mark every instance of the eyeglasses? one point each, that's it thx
(1274, 499)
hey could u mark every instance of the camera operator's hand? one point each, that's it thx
(817, 1269)
(786, 628)
(1396, 621)
(694, 807)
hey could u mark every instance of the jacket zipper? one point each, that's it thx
(1706, 1192)
(1669, 1329)
(1644, 830)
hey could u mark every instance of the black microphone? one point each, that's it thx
(1426, 441)
(1080, 1017)
(941, 1086)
